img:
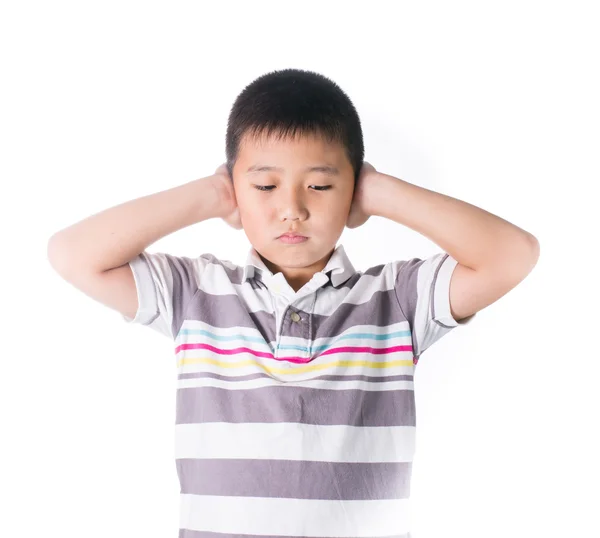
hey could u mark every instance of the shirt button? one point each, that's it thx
(295, 316)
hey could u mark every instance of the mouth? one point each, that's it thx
(292, 238)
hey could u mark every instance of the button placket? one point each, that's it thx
(302, 320)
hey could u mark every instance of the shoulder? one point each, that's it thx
(218, 270)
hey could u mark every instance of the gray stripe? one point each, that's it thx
(406, 294)
(187, 533)
(248, 377)
(305, 405)
(226, 311)
(290, 479)
(184, 287)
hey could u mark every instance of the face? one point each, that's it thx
(291, 198)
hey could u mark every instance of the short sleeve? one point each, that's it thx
(165, 284)
(422, 288)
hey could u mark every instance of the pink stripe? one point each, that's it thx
(344, 349)
(224, 351)
(373, 350)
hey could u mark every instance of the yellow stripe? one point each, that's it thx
(296, 369)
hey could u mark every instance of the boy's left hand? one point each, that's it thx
(359, 210)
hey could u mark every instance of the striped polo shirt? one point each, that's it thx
(295, 411)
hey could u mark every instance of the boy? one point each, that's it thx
(295, 404)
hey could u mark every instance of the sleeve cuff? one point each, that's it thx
(146, 292)
(441, 299)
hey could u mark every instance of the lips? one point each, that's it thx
(291, 235)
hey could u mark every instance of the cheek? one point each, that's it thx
(255, 213)
(247, 203)
(341, 208)
(257, 209)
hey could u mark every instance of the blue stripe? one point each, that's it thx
(259, 340)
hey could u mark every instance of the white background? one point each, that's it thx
(492, 103)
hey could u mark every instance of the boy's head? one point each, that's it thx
(293, 120)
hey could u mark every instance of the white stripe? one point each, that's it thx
(323, 384)
(215, 282)
(281, 517)
(295, 441)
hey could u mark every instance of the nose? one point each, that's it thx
(292, 206)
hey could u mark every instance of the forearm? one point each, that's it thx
(116, 235)
(471, 235)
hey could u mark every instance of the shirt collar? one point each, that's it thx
(338, 268)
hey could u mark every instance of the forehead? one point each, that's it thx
(290, 152)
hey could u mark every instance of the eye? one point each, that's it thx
(263, 188)
(268, 188)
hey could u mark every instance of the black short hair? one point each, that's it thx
(292, 102)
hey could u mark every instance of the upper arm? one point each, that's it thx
(472, 290)
(114, 288)
(152, 289)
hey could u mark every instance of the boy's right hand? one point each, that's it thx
(228, 208)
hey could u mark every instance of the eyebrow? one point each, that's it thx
(330, 170)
